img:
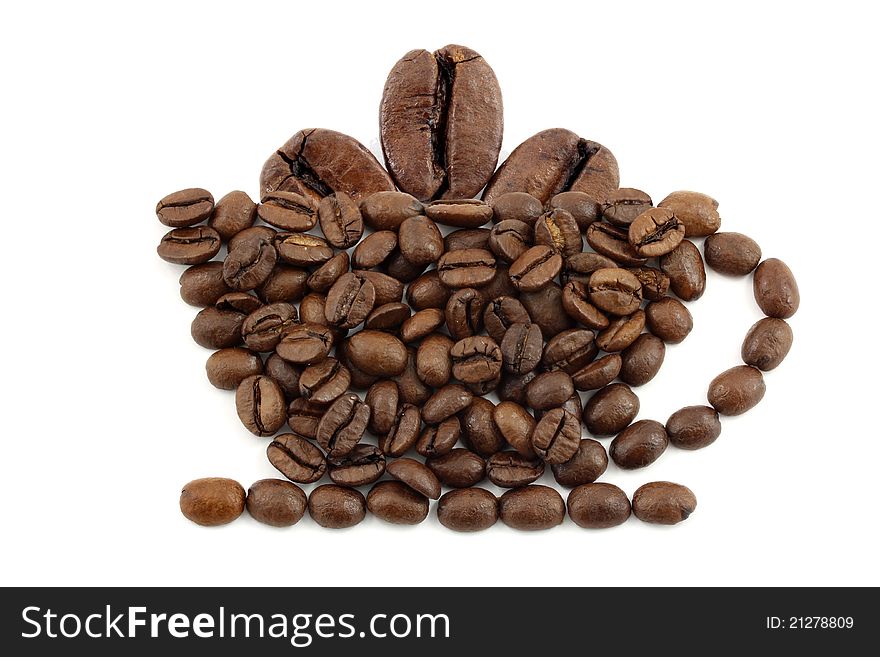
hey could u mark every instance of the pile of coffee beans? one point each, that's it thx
(371, 311)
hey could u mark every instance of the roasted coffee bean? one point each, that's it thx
(433, 360)
(521, 348)
(776, 290)
(502, 313)
(501, 284)
(420, 241)
(323, 278)
(288, 211)
(610, 410)
(412, 390)
(641, 361)
(555, 161)
(460, 468)
(189, 246)
(416, 475)
(446, 402)
(260, 405)
(264, 327)
(570, 350)
(349, 301)
(531, 508)
(598, 506)
(285, 283)
(556, 436)
(656, 232)
(467, 510)
(736, 390)
(517, 206)
(377, 353)
(437, 440)
(427, 292)
(464, 313)
(185, 208)
(248, 266)
(467, 238)
(549, 390)
(232, 214)
(459, 213)
(305, 343)
(387, 317)
(337, 507)
(558, 230)
(302, 250)
(516, 425)
(387, 210)
(343, 425)
(639, 445)
(573, 405)
(303, 417)
(512, 469)
(621, 333)
(580, 266)
(478, 428)
(215, 328)
(733, 254)
(241, 302)
(509, 239)
(545, 309)
(622, 206)
(693, 427)
(421, 324)
(466, 268)
(397, 503)
(323, 382)
(361, 466)
(404, 433)
(263, 233)
(513, 388)
(400, 268)
(212, 501)
(276, 502)
(285, 374)
(669, 320)
(576, 302)
(536, 268)
(586, 466)
(318, 162)
(767, 343)
(311, 310)
(383, 398)
(663, 503)
(615, 291)
(687, 275)
(296, 458)
(374, 249)
(340, 220)
(698, 212)
(483, 388)
(227, 368)
(597, 374)
(202, 285)
(579, 205)
(613, 242)
(654, 282)
(441, 122)
(388, 290)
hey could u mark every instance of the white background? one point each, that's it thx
(106, 411)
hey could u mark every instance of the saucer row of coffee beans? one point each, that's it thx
(337, 306)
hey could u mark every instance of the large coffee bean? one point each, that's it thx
(549, 390)
(337, 507)
(615, 291)
(511, 469)
(260, 405)
(656, 232)
(446, 402)
(377, 353)
(687, 275)
(586, 466)
(521, 348)
(641, 361)
(597, 374)
(361, 466)
(340, 220)
(669, 320)
(460, 468)
(185, 208)
(202, 285)
(343, 425)
(663, 502)
(296, 458)
(556, 436)
(535, 268)
(478, 428)
(404, 432)
(467, 510)
(532, 508)
(598, 506)
(305, 343)
(639, 445)
(693, 427)
(767, 343)
(416, 475)
(189, 246)
(276, 502)
(624, 205)
(387, 210)
(736, 390)
(397, 503)
(610, 410)
(464, 313)
(466, 268)
(288, 211)
(776, 290)
(227, 368)
(733, 254)
(698, 212)
(439, 439)
(212, 501)
(232, 214)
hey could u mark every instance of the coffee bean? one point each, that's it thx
(285, 374)
(459, 213)
(615, 291)
(535, 268)
(579, 266)
(483, 388)
(323, 278)
(433, 362)
(467, 510)
(264, 233)
(509, 239)
(296, 458)
(427, 292)
(340, 219)
(693, 427)
(349, 301)
(624, 205)
(531, 508)
(478, 428)
(512, 470)
(420, 241)
(639, 445)
(621, 333)
(556, 436)
(475, 359)
(545, 309)
(521, 348)
(323, 382)
(387, 210)
(412, 390)
(597, 374)
(654, 282)
(417, 476)
(549, 390)
(558, 230)
(641, 361)
(303, 417)
(227, 368)
(216, 328)
(405, 432)
(302, 249)
(377, 353)
(439, 439)
(305, 343)
(232, 214)
(374, 249)
(733, 254)
(260, 405)
(663, 503)
(687, 275)
(202, 285)
(656, 232)
(337, 507)
(467, 238)
(397, 503)
(441, 122)
(517, 206)
(502, 313)
(318, 162)
(555, 161)
(516, 425)
(189, 246)
(248, 266)
(573, 405)
(579, 205)
(288, 211)
(387, 317)
(767, 343)
(698, 212)
(736, 390)
(212, 501)
(610, 410)
(343, 425)
(614, 243)
(185, 208)
(513, 388)
(501, 284)
(383, 398)
(276, 502)
(400, 268)
(311, 310)
(576, 302)
(464, 313)
(388, 290)
(363, 465)
(669, 320)
(598, 506)
(466, 268)
(422, 323)
(569, 351)
(264, 327)
(776, 290)
(460, 468)
(446, 402)
(285, 283)
(586, 466)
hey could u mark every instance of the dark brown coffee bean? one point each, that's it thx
(285, 374)
(260, 405)
(302, 250)
(556, 436)
(185, 208)
(337, 507)
(387, 317)
(433, 361)
(598, 506)
(733, 254)
(467, 238)
(446, 402)
(248, 266)
(459, 213)
(549, 390)
(535, 268)
(573, 405)
(397, 503)
(586, 466)
(622, 206)
(349, 301)
(215, 328)
(545, 309)
(532, 508)
(387, 210)
(502, 313)
(621, 333)
(404, 433)
(558, 230)
(416, 475)
(511, 470)
(189, 246)
(202, 285)
(377, 353)
(776, 289)
(501, 284)
(580, 266)
(437, 440)
(614, 243)
(420, 241)
(305, 344)
(343, 425)
(276, 502)
(296, 458)
(656, 232)
(213, 501)
(467, 510)
(383, 398)
(483, 388)
(412, 390)
(639, 445)
(303, 417)
(374, 249)
(263, 233)
(687, 275)
(466, 268)
(478, 428)
(232, 214)
(311, 310)
(427, 292)
(288, 211)
(767, 343)
(521, 348)
(460, 468)
(388, 290)
(285, 283)
(579, 205)
(323, 278)
(736, 390)
(641, 361)
(654, 282)
(597, 374)
(396, 266)
(610, 410)
(569, 351)
(325, 381)
(319, 162)
(693, 427)
(240, 302)
(516, 425)
(698, 212)
(422, 323)
(464, 313)
(663, 503)
(509, 239)
(576, 302)
(555, 161)
(615, 291)
(669, 320)
(361, 466)
(227, 368)
(264, 328)
(517, 206)
(340, 220)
